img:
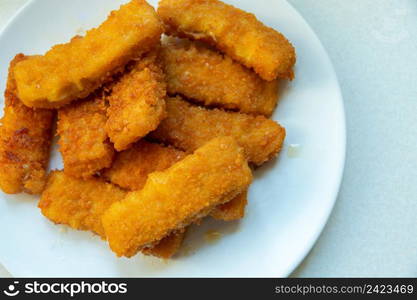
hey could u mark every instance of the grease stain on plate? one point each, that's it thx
(212, 236)
(80, 31)
(294, 150)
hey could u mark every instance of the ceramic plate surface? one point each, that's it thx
(289, 201)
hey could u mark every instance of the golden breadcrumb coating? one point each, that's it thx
(75, 69)
(83, 141)
(206, 76)
(130, 170)
(167, 247)
(235, 32)
(80, 204)
(137, 102)
(131, 167)
(25, 138)
(232, 210)
(172, 199)
(76, 202)
(188, 127)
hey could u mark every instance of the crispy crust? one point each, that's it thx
(137, 102)
(168, 246)
(78, 203)
(83, 141)
(188, 127)
(75, 69)
(25, 138)
(174, 198)
(131, 168)
(130, 171)
(232, 210)
(233, 31)
(206, 76)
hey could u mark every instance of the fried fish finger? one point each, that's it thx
(78, 203)
(131, 168)
(130, 171)
(176, 197)
(235, 32)
(83, 142)
(25, 138)
(232, 210)
(137, 102)
(188, 127)
(168, 246)
(75, 69)
(206, 76)
(81, 203)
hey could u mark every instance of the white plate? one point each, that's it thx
(289, 202)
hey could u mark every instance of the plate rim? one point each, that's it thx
(342, 158)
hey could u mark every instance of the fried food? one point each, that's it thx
(75, 69)
(83, 141)
(25, 138)
(137, 102)
(235, 32)
(188, 127)
(206, 76)
(176, 197)
(80, 204)
(130, 171)
(131, 168)
(110, 89)
(232, 210)
(166, 247)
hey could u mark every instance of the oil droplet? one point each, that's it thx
(80, 31)
(212, 236)
(293, 150)
(63, 229)
(187, 250)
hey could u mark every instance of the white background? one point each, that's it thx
(373, 46)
